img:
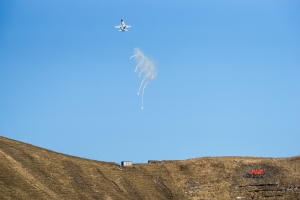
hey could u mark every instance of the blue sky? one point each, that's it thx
(228, 78)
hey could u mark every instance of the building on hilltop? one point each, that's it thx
(126, 163)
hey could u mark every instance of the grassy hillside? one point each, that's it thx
(29, 172)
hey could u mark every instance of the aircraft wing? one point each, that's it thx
(128, 26)
(117, 26)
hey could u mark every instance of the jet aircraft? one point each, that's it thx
(123, 26)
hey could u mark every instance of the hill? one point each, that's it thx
(30, 172)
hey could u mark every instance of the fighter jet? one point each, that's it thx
(123, 26)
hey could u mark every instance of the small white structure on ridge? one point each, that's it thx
(126, 163)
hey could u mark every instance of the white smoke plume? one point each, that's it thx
(145, 68)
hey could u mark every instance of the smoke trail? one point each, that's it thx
(147, 70)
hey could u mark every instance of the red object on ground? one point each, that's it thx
(257, 171)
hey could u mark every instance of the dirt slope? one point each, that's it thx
(29, 172)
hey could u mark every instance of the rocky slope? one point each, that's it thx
(29, 172)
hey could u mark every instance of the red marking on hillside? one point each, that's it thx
(257, 171)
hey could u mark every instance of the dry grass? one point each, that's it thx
(29, 172)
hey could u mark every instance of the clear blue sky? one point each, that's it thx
(228, 78)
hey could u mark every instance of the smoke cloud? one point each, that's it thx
(145, 68)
